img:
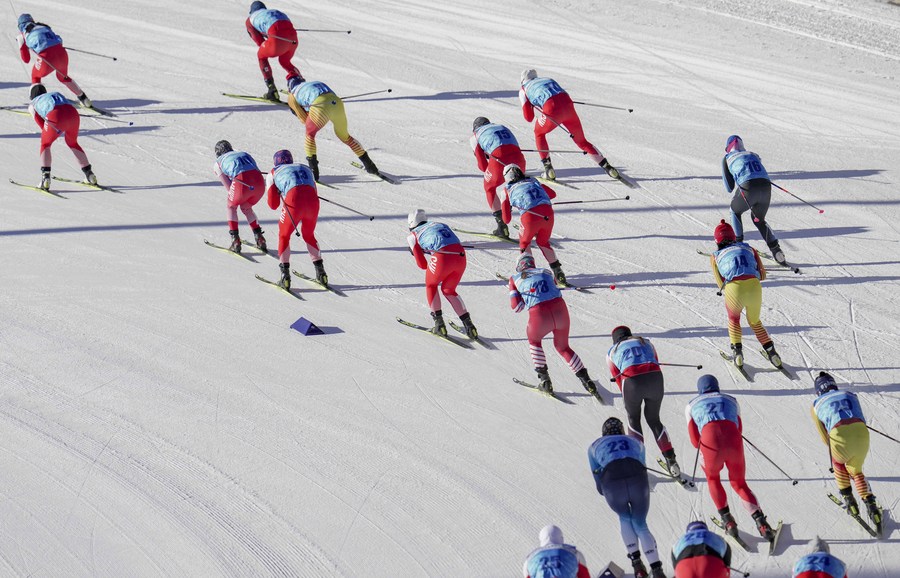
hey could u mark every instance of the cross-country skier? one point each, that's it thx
(51, 56)
(274, 34)
(495, 147)
(819, 563)
(555, 108)
(617, 462)
(738, 268)
(701, 554)
(444, 268)
(744, 175)
(634, 364)
(294, 185)
(532, 200)
(536, 290)
(315, 104)
(56, 116)
(245, 185)
(715, 427)
(841, 424)
(554, 558)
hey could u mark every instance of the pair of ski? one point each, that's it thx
(876, 532)
(740, 369)
(781, 266)
(682, 481)
(59, 196)
(737, 539)
(595, 394)
(622, 178)
(565, 285)
(465, 344)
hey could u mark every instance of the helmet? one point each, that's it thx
(37, 90)
(734, 143)
(825, 383)
(222, 147)
(283, 157)
(526, 261)
(479, 122)
(257, 6)
(818, 545)
(551, 535)
(512, 173)
(528, 74)
(613, 427)
(696, 525)
(724, 233)
(24, 20)
(621, 332)
(707, 384)
(416, 218)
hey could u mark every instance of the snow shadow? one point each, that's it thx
(4, 85)
(126, 103)
(122, 129)
(212, 109)
(778, 175)
(795, 234)
(449, 95)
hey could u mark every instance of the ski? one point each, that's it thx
(740, 370)
(486, 235)
(254, 98)
(780, 368)
(597, 395)
(88, 185)
(787, 265)
(326, 185)
(38, 189)
(429, 332)
(764, 255)
(15, 111)
(774, 543)
(682, 481)
(379, 174)
(279, 287)
(317, 284)
(857, 517)
(255, 246)
(226, 249)
(100, 111)
(558, 286)
(478, 339)
(545, 393)
(737, 539)
(552, 182)
(626, 180)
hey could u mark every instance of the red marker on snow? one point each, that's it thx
(612, 287)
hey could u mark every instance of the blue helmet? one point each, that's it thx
(257, 6)
(825, 383)
(734, 143)
(697, 525)
(24, 20)
(708, 384)
(283, 157)
(294, 80)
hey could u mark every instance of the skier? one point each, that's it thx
(245, 185)
(556, 109)
(274, 34)
(634, 364)
(315, 104)
(715, 427)
(744, 175)
(738, 268)
(819, 563)
(445, 268)
(701, 554)
(842, 426)
(535, 290)
(554, 558)
(532, 200)
(294, 184)
(617, 462)
(56, 116)
(47, 45)
(495, 147)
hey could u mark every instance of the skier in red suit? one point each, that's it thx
(55, 117)
(495, 147)
(52, 57)
(274, 33)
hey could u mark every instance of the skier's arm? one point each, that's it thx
(505, 207)
(583, 571)
(694, 433)
(719, 281)
(417, 251)
(38, 120)
(516, 303)
(254, 33)
(527, 107)
(480, 156)
(274, 195)
(298, 110)
(550, 192)
(760, 266)
(223, 178)
(614, 371)
(23, 49)
(822, 433)
(727, 177)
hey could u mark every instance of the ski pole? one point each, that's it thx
(625, 198)
(681, 365)
(798, 198)
(603, 106)
(319, 30)
(291, 217)
(365, 94)
(696, 461)
(552, 151)
(106, 118)
(91, 53)
(793, 481)
(741, 572)
(370, 217)
(282, 38)
(251, 187)
(545, 217)
(881, 434)
(572, 136)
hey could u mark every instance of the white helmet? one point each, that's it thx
(528, 74)
(416, 218)
(512, 172)
(551, 535)
(818, 545)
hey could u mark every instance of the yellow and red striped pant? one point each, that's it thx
(327, 108)
(745, 294)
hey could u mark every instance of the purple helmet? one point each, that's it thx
(283, 157)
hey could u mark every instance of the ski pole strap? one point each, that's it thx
(319, 30)
(370, 217)
(91, 53)
(625, 198)
(366, 94)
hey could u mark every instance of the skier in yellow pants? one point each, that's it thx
(315, 104)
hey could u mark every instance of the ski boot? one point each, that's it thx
(85, 101)
(774, 358)
(582, 374)
(502, 230)
(672, 463)
(850, 502)
(368, 164)
(313, 163)
(765, 530)
(259, 239)
(235, 241)
(272, 92)
(737, 354)
(640, 571)
(544, 383)
(729, 523)
(439, 327)
(656, 570)
(285, 281)
(778, 254)
(45, 178)
(468, 325)
(610, 170)
(321, 276)
(558, 274)
(548, 173)
(874, 510)
(89, 176)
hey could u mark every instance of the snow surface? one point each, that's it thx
(159, 417)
